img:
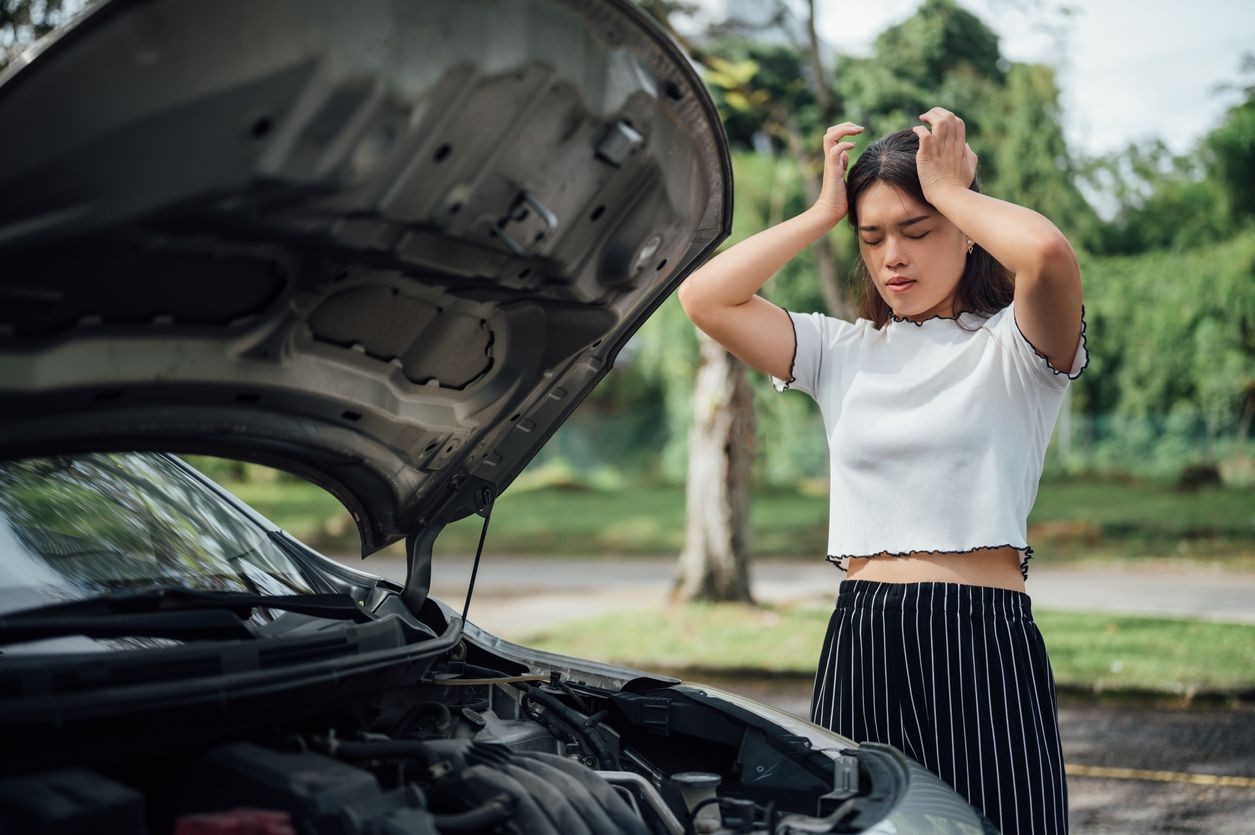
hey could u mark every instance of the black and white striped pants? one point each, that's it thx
(955, 676)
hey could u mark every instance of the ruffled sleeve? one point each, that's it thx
(1031, 361)
(817, 341)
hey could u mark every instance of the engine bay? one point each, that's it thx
(473, 748)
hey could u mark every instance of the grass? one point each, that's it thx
(1070, 521)
(1091, 652)
(1168, 655)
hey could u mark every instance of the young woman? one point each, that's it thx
(938, 401)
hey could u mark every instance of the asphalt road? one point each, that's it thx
(519, 594)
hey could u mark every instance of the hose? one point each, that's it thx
(496, 811)
(438, 710)
(585, 727)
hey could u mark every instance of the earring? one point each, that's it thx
(970, 244)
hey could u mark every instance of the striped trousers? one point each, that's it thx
(955, 676)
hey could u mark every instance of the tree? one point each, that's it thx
(783, 92)
(1162, 200)
(1027, 158)
(713, 565)
(1232, 149)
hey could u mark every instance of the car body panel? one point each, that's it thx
(343, 239)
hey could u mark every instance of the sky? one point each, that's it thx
(1128, 69)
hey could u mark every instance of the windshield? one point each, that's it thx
(74, 526)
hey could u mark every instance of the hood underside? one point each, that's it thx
(384, 245)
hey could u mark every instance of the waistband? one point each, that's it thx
(948, 598)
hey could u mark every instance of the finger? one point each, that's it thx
(924, 136)
(959, 129)
(945, 124)
(832, 151)
(843, 129)
(845, 161)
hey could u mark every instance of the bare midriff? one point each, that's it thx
(997, 567)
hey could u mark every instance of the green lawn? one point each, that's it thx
(1070, 521)
(1092, 652)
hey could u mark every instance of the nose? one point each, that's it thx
(895, 252)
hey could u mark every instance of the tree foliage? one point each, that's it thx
(1164, 200)
(1232, 150)
(1172, 365)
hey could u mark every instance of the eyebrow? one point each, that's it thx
(900, 224)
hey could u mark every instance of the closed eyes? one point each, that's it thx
(912, 237)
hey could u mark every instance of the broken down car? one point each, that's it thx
(388, 247)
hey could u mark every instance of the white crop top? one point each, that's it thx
(936, 436)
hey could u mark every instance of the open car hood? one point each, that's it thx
(389, 246)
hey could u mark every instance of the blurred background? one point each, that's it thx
(1142, 149)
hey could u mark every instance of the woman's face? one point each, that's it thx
(901, 238)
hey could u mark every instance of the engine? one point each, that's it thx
(470, 749)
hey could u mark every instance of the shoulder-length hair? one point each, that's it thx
(986, 285)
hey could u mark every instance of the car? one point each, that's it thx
(388, 247)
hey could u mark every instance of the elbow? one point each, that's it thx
(1054, 258)
(683, 295)
(689, 300)
(1056, 249)
(684, 292)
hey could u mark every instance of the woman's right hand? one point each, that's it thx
(832, 200)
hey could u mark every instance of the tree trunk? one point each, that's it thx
(714, 565)
(1248, 414)
(819, 84)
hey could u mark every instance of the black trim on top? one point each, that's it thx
(1046, 359)
(895, 318)
(1027, 549)
(793, 361)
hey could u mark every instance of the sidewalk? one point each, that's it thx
(520, 595)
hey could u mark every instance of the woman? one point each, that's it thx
(938, 401)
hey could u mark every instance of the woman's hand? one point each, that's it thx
(944, 158)
(832, 201)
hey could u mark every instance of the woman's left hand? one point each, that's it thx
(944, 158)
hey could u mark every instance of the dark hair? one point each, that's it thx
(985, 286)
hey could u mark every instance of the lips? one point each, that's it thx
(898, 279)
(898, 284)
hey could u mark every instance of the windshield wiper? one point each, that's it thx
(168, 612)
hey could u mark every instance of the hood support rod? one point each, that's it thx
(485, 496)
(467, 494)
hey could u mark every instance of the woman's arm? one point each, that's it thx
(720, 296)
(736, 273)
(1047, 276)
